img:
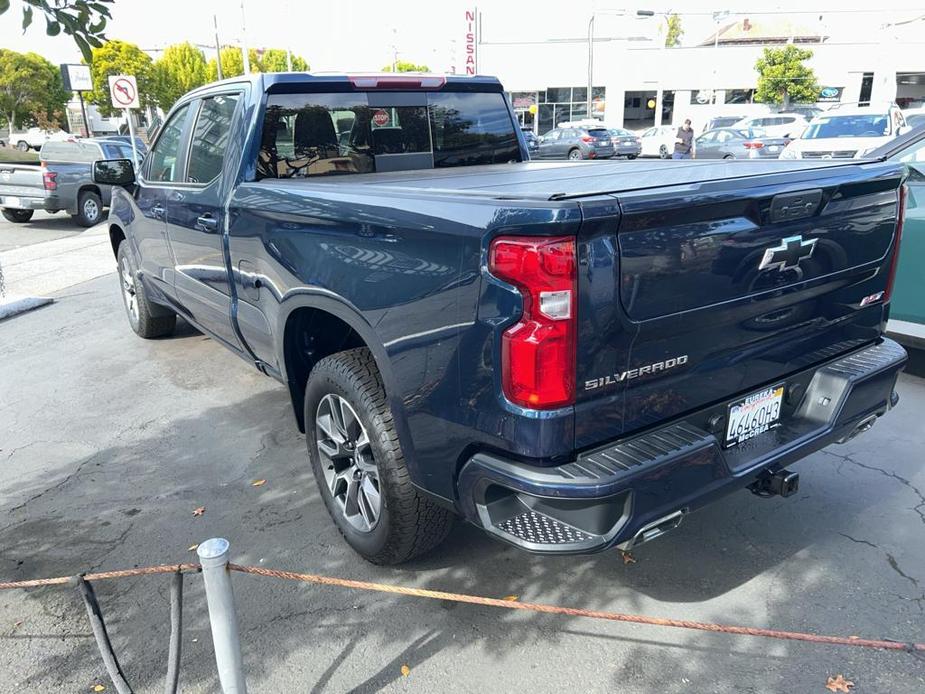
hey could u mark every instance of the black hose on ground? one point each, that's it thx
(176, 632)
(102, 637)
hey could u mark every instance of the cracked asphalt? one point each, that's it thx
(109, 442)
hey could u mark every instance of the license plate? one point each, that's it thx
(604, 143)
(773, 148)
(753, 415)
(11, 202)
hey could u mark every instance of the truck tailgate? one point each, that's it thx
(691, 294)
(20, 180)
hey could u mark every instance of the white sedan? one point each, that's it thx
(658, 141)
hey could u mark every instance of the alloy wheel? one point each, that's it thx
(91, 210)
(347, 460)
(127, 280)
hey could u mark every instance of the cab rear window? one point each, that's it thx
(348, 133)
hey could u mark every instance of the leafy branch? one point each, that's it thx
(82, 20)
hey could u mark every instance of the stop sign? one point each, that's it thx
(381, 117)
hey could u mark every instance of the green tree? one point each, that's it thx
(119, 58)
(232, 63)
(181, 68)
(84, 21)
(274, 60)
(31, 90)
(783, 78)
(675, 32)
(405, 66)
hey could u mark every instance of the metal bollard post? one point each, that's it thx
(213, 555)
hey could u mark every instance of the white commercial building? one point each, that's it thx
(637, 83)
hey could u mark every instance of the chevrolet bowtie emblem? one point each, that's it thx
(787, 254)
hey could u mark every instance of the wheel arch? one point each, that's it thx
(314, 326)
(116, 236)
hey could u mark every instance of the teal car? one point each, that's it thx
(907, 312)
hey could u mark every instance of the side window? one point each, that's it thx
(551, 136)
(210, 138)
(165, 157)
(471, 129)
(707, 138)
(112, 152)
(723, 136)
(648, 133)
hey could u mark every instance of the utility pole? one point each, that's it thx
(218, 48)
(247, 61)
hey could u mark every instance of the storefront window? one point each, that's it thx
(740, 96)
(558, 95)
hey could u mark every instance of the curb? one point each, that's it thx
(14, 305)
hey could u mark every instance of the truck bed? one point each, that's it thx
(561, 180)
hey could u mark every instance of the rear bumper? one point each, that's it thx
(627, 150)
(627, 491)
(27, 202)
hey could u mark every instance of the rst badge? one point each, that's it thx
(653, 368)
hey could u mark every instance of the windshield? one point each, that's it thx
(873, 125)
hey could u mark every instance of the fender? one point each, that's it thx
(340, 307)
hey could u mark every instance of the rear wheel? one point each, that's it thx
(17, 216)
(22, 146)
(575, 154)
(729, 156)
(359, 466)
(663, 152)
(89, 208)
(148, 320)
(631, 156)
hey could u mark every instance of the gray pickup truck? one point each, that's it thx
(64, 181)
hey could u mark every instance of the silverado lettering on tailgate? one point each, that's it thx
(656, 367)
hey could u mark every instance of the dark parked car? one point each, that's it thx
(576, 143)
(732, 143)
(571, 356)
(721, 122)
(625, 143)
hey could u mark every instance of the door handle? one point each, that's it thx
(157, 210)
(207, 223)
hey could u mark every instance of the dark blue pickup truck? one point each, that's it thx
(573, 356)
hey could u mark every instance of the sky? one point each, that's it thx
(357, 35)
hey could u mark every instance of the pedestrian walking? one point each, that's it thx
(684, 142)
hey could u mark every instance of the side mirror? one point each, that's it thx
(114, 172)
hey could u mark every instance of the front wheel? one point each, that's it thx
(147, 320)
(22, 146)
(359, 465)
(663, 152)
(631, 156)
(575, 155)
(17, 216)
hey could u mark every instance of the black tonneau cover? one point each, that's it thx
(562, 180)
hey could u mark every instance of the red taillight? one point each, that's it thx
(894, 261)
(587, 138)
(49, 180)
(538, 353)
(753, 145)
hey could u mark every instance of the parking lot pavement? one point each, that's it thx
(110, 442)
(42, 227)
(66, 255)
